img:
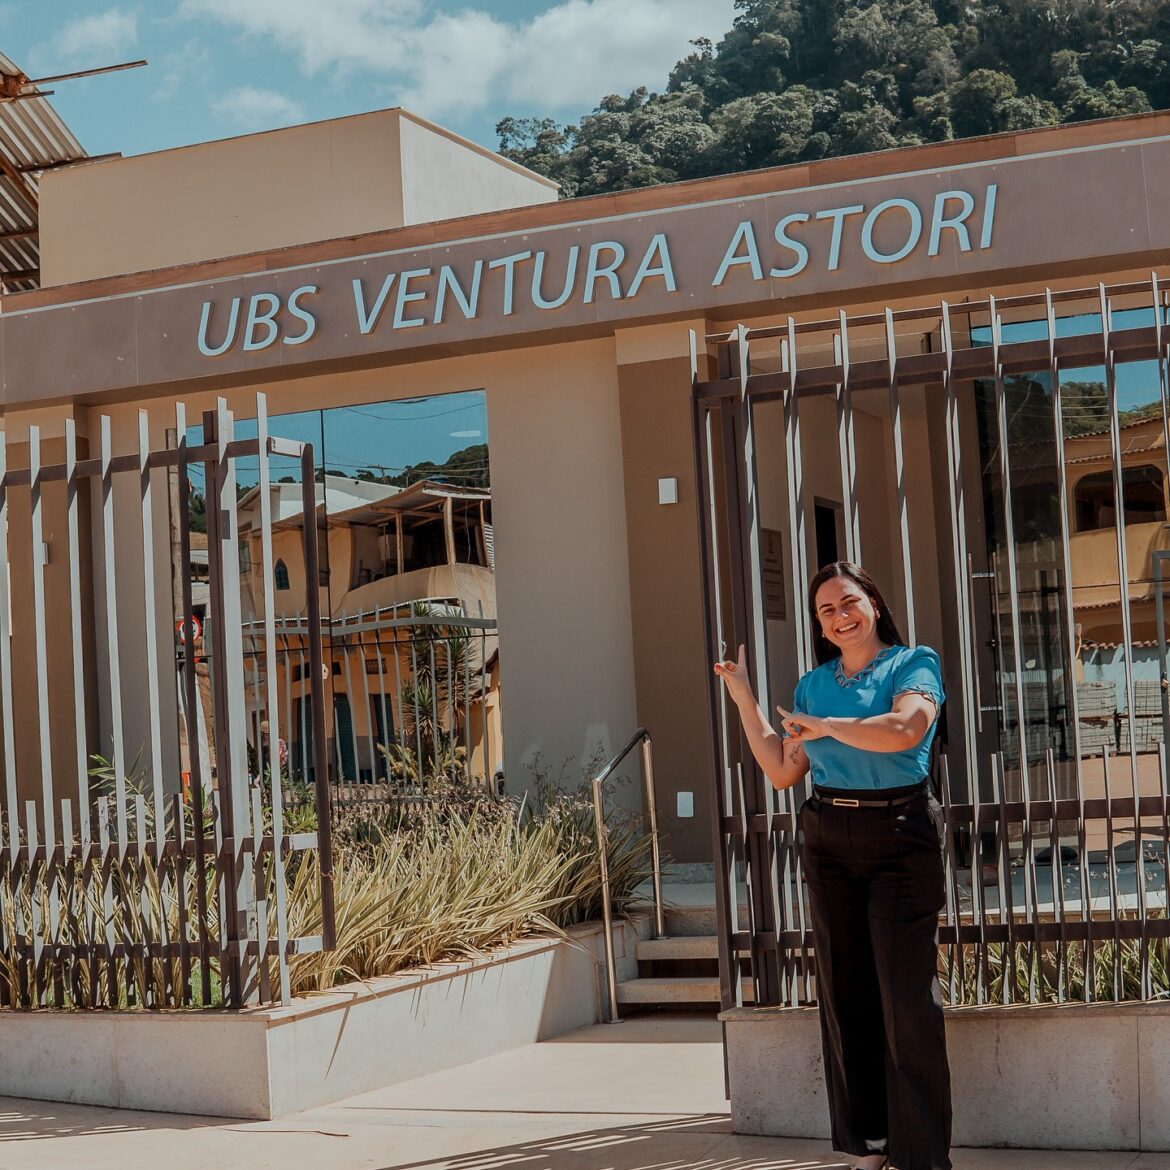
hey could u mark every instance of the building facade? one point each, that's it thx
(414, 264)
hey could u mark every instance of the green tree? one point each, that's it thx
(802, 79)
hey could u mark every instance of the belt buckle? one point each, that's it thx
(844, 803)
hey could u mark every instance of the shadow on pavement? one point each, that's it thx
(22, 1121)
(691, 1143)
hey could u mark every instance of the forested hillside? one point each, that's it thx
(805, 79)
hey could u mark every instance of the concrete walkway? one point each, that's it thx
(643, 1095)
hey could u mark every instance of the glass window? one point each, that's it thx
(1142, 490)
(280, 573)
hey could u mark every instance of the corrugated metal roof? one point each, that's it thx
(33, 139)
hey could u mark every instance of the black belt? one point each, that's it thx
(851, 802)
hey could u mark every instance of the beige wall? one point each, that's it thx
(666, 582)
(444, 177)
(297, 185)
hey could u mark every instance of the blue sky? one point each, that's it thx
(224, 67)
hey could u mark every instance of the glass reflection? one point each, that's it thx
(407, 594)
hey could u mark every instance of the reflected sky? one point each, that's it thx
(383, 437)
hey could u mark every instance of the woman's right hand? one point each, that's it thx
(735, 677)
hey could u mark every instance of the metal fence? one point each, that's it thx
(1056, 842)
(412, 703)
(149, 879)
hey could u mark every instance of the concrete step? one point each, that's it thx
(698, 920)
(702, 946)
(672, 989)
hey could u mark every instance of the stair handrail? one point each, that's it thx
(641, 736)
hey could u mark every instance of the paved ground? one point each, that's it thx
(643, 1095)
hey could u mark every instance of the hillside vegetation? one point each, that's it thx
(795, 80)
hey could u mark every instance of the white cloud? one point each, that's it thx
(249, 108)
(106, 38)
(456, 64)
(180, 69)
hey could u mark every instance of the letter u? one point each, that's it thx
(229, 336)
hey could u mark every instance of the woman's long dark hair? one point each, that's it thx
(887, 631)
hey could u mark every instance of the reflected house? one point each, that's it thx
(1099, 636)
(407, 594)
(1092, 523)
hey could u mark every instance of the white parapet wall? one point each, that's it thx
(1069, 1076)
(268, 1062)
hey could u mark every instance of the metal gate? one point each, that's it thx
(1014, 509)
(157, 877)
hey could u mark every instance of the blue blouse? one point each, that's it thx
(826, 690)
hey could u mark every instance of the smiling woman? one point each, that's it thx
(862, 722)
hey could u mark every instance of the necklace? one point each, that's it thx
(849, 680)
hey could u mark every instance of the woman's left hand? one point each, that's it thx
(803, 727)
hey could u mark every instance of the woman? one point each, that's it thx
(863, 721)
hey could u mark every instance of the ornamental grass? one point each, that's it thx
(454, 878)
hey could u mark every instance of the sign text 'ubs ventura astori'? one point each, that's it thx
(489, 284)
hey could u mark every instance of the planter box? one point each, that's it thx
(267, 1062)
(1069, 1076)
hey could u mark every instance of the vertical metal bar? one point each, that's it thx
(766, 798)
(75, 629)
(226, 862)
(11, 800)
(1123, 581)
(1065, 519)
(953, 907)
(978, 894)
(1005, 475)
(369, 707)
(109, 557)
(1003, 872)
(716, 740)
(756, 846)
(1111, 875)
(35, 852)
(438, 723)
(399, 697)
(387, 730)
(483, 658)
(1056, 864)
(958, 511)
(1164, 400)
(606, 906)
(467, 640)
(40, 633)
(414, 696)
(652, 816)
(1163, 801)
(192, 703)
(154, 698)
(272, 697)
(796, 503)
(845, 442)
(1086, 893)
(1031, 894)
(286, 658)
(261, 896)
(346, 654)
(317, 655)
(900, 476)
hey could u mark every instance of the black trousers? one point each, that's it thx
(876, 886)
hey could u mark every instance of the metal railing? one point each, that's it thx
(159, 879)
(963, 400)
(640, 736)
